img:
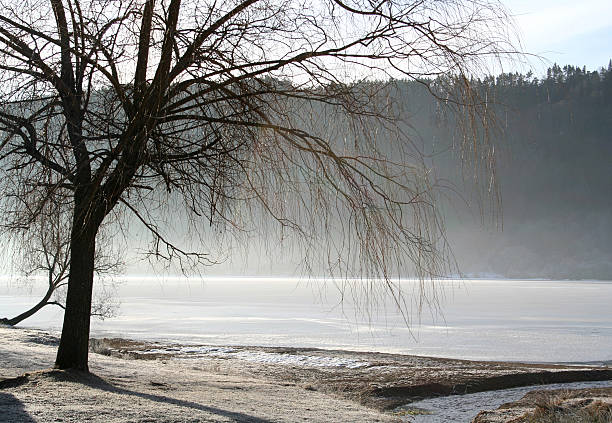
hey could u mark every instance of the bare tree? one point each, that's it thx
(235, 113)
(44, 250)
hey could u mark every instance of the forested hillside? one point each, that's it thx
(555, 176)
(553, 144)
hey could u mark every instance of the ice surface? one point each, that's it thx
(505, 320)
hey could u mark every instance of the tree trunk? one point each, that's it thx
(15, 320)
(74, 342)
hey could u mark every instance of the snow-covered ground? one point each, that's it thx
(162, 391)
(203, 352)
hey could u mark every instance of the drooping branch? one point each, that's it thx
(249, 117)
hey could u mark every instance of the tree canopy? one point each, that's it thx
(231, 111)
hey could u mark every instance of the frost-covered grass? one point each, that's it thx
(563, 407)
(580, 416)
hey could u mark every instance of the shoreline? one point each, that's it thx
(317, 383)
(382, 381)
(170, 340)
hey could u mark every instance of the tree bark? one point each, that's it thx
(17, 319)
(74, 342)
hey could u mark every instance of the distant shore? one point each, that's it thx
(326, 385)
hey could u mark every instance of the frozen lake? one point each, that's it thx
(534, 321)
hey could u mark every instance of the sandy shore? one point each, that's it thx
(146, 382)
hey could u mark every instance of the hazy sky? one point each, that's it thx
(577, 32)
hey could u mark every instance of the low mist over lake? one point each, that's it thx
(553, 216)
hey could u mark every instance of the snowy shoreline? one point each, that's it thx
(364, 386)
